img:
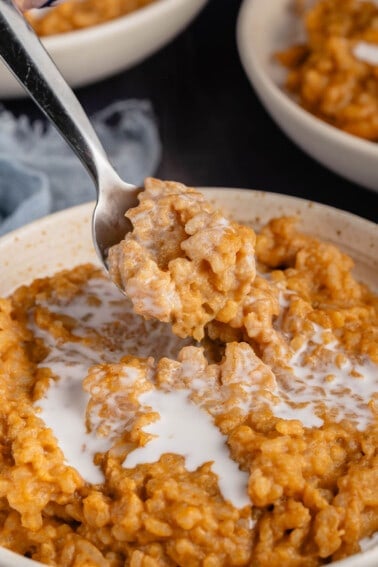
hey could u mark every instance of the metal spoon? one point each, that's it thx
(28, 60)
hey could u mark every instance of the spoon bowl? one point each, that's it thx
(109, 224)
(30, 63)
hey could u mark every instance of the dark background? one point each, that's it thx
(214, 130)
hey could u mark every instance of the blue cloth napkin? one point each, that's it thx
(40, 174)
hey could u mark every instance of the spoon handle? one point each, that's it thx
(25, 56)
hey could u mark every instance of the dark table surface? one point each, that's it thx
(213, 128)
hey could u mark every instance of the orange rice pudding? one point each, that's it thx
(123, 444)
(183, 262)
(333, 73)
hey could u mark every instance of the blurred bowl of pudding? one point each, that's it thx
(91, 42)
(314, 66)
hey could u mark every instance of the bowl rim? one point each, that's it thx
(311, 203)
(106, 29)
(255, 70)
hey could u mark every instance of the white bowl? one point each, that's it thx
(94, 53)
(63, 240)
(264, 27)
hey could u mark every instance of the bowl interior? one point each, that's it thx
(266, 28)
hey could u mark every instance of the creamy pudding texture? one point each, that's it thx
(184, 262)
(366, 52)
(333, 73)
(122, 443)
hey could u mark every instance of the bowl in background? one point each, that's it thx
(90, 54)
(264, 28)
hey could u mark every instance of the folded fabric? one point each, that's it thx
(40, 174)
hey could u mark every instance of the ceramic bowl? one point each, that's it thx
(63, 240)
(264, 28)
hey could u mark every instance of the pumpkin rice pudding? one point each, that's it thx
(333, 72)
(184, 262)
(124, 444)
